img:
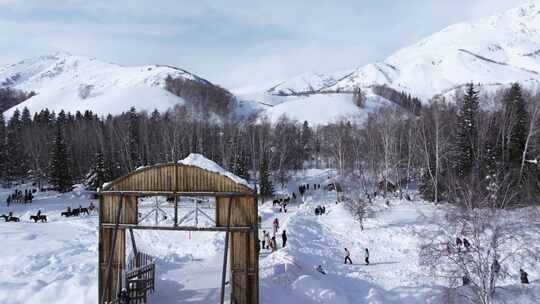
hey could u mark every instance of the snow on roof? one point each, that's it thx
(198, 160)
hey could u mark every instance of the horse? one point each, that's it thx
(92, 208)
(73, 212)
(10, 218)
(82, 210)
(36, 218)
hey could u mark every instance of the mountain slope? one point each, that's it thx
(66, 82)
(493, 52)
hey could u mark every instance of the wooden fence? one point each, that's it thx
(139, 278)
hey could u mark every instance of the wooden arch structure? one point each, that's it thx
(236, 214)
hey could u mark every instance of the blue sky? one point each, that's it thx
(233, 43)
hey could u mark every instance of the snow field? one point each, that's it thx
(56, 262)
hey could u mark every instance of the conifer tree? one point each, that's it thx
(306, 138)
(266, 187)
(59, 175)
(134, 139)
(517, 117)
(16, 162)
(3, 150)
(467, 133)
(26, 119)
(240, 166)
(99, 173)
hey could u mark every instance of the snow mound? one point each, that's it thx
(320, 109)
(198, 160)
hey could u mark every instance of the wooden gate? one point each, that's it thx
(236, 214)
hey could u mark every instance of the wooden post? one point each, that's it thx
(108, 284)
(175, 211)
(225, 251)
(134, 245)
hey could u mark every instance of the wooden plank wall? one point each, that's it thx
(109, 208)
(108, 211)
(118, 265)
(244, 258)
(176, 177)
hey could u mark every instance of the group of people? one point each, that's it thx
(349, 260)
(320, 210)
(302, 189)
(20, 197)
(465, 243)
(495, 265)
(282, 203)
(270, 243)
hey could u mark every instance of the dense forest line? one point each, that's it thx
(477, 145)
(12, 97)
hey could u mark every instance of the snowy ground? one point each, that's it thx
(56, 262)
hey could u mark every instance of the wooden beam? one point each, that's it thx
(176, 194)
(179, 228)
(176, 210)
(224, 272)
(134, 245)
(111, 256)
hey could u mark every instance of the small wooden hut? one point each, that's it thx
(236, 215)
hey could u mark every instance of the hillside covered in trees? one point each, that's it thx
(445, 148)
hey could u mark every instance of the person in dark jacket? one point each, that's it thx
(123, 297)
(466, 280)
(273, 244)
(524, 276)
(284, 238)
(320, 269)
(263, 240)
(466, 244)
(495, 268)
(347, 256)
(458, 243)
(367, 257)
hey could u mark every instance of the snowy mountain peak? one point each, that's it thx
(68, 82)
(492, 51)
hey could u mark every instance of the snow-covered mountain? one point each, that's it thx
(67, 82)
(493, 52)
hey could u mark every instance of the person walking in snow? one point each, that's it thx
(495, 268)
(263, 241)
(524, 276)
(458, 243)
(367, 257)
(347, 256)
(284, 238)
(466, 280)
(320, 269)
(466, 244)
(276, 225)
(266, 237)
(273, 244)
